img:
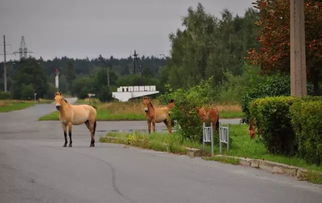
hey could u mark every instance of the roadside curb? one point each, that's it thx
(273, 167)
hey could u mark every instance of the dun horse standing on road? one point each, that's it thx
(75, 115)
(157, 115)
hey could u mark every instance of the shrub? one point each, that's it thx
(185, 110)
(273, 122)
(307, 124)
(275, 85)
(4, 95)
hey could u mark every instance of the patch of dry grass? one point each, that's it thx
(132, 107)
(228, 107)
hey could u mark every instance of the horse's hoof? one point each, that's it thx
(65, 145)
(70, 145)
(92, 145)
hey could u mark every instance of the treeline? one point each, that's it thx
(79, 76)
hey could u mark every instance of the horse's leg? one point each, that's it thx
(65, 134)
(149, 126)
(168, 124)
(70, 134)
(91, 127)
(153, 126)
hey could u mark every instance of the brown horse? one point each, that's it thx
(251, 129)
(75, 115)
(158, 114)
(209, 114)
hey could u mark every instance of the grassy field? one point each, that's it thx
(134, 110)
(14, 105)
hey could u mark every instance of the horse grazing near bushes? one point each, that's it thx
(75, 115)
(251, 129)
(209, 114)
(157, 114)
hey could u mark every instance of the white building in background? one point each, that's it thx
(124, 93)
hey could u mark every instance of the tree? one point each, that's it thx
(70, 74)
(209, 47)
(273, 55)
(30, 78)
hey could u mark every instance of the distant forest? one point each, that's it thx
(80, 76)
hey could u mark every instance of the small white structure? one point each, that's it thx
(57, 79)
(124, 93)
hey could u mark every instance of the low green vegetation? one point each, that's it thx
(14, 105)
(289, 126)
(241, 146)
(173, 143)
(49, 117)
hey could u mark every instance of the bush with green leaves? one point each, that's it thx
(272, 119)
(186, 105)
(276, 85)
(307, 124)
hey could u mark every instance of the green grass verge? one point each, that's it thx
(243, 146)
(231, 114)
(8, 106)
(173, 143)
(49, 117)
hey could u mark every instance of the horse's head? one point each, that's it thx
(146, 103)
(171, 104)
(59, 99)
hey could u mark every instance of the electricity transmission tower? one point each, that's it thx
(23, 50)
(136, 65)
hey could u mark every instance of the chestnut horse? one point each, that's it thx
(75, 115)
(209, 114)
(251, 129)
(158, 114)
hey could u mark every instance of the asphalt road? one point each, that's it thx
(34, 167)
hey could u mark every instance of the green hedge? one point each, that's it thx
(273, 123)
(307, 124)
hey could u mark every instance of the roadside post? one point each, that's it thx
(208, 136)
(223, 137)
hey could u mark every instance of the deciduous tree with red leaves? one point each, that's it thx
(273, 54)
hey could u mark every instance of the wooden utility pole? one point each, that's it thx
(4, 64)
(297, 47)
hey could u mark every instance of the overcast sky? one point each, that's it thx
(87, 28)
